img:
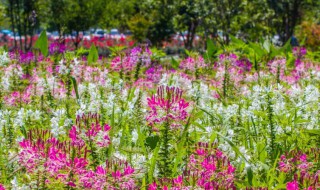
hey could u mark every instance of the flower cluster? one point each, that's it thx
(296, 164)
(16, 98)
(130, 61)
(211, 168)
(167, 106)
(230, 71)
(25, 57)
(277, 67)
(154, 73)
(299, 52)
(177, 183)
(208, 168)
(192, 63)
(4, 59)
(115, 175)
(56, 47)
(73, 161)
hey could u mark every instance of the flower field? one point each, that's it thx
(244, 116)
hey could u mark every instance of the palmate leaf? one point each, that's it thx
(42, 43)
(81, 51)
(116, 50)
(152, 142)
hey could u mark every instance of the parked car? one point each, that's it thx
(16, 36)
(54, 35)
(5, 32)
(99, 33)
(115, 34)
(86, 35)
(127, 33)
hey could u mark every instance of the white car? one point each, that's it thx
(115, 34)
(99, 33)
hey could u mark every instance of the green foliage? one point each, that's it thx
(158, 20)
(75, 87)
(211, 48)
(152, 142)
(139, 25)
(93, 54)
(42, 43)
(174, 63)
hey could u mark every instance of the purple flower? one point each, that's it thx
(56, 48)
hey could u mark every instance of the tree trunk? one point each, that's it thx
(76, 42)
(25, 33)
(19, 23)
(13, 25)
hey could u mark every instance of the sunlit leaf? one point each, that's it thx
(42, 43)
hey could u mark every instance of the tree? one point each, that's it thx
(81, 15)
(139, 26)
(160, 12)
(190, 14)
(289, 14)
(23, 18)
(117, 13)
(58, 15)
(256, 20)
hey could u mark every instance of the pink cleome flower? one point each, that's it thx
(293, 185)
(167, 106)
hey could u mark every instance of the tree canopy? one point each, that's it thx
(159, 20)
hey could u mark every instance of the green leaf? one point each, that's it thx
(153, 162)
(23, 131)
(180, 150)
(290, 61)
(152, 141)
(174, 63)
(249, 175)
(303, 42)
(233, 146)
(93, 54)
(266, 45)
(115, 51)
(75, 86)
(262, 151)
(211, 49)
(257, 49)
(141, 139)
(187, 52)
(42, 43)
(143, 185)
(313, 132)
(236, 40)
(286, 47)
(274, 52)
(81, 51)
